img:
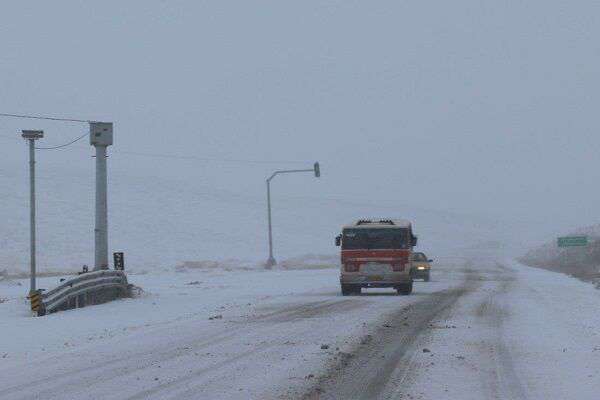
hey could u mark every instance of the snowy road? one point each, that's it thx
(493, 330)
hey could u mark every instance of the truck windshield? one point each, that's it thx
(378, 238)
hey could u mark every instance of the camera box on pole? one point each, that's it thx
(101, 133)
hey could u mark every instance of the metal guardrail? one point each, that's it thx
(85, 289)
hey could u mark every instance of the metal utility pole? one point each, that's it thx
(317, 171)
(32, 136)
(101, 136)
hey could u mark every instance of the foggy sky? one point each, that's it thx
(481, 108)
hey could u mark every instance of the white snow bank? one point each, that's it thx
(307, 261)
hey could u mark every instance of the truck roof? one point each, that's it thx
(378, 223)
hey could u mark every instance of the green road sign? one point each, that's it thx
(570, 241)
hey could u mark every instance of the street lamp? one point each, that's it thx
(32, 136)
(316, 169)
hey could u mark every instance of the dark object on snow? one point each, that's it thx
(119, 261)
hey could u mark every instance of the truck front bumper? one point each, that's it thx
(383, 280)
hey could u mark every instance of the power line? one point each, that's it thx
(167, 156)
(43, 117)
(134, 153)
(63, 145)
(186, 157)
(46, 148)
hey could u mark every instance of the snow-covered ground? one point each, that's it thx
(167, 297)
(495, 329)
(521, 333)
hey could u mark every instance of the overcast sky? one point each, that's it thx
(486, 108)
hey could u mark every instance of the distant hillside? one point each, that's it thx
(580, 262)
(167, 221)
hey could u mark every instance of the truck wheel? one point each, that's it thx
(357, 290)
(346, 290)
(405, 289)
(427, 277)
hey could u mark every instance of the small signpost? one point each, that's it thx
(572, 241)
(119, 261)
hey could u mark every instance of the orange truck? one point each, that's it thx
(376, 254)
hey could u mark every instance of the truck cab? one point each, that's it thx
(376, 253)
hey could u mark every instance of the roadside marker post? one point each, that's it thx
(36, 301)
(119, 261)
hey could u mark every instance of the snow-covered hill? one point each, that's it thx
(163, 219)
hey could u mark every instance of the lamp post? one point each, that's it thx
(32, 136)
(316, 170)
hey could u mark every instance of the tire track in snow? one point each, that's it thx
(82, 375)
(79, 378)
(310, 310)
(377, 369)
(503, 382)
